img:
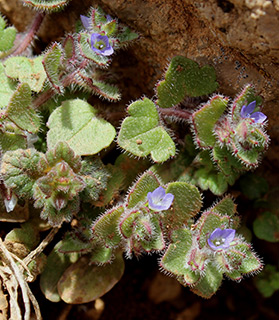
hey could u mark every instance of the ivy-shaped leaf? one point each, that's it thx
(76, 122)
(26, 70)
(142, 134)
(184, 78)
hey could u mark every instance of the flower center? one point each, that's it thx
(100, 45)
(218, 241)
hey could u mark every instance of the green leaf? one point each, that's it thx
(174, 259)
(72, 243)
(123, 173)
(51, 63)
(20, 170)
(266, 226)
(267, 281)
(56, 265)
(7, 88)
(210, 282)
(27, 234)
(148, 182)
(30, 71)
(7, 36)
(157, 240)
(95, 176)
(47, 5)
(20, 112)
(226, 206)
(186, 204)
(76, 122)
(82, 282)
(251, 263)
(126, 34)
(88, 81)
(11, 141)
(149, 137)
(204, 120)
(105, 228)
(101, 254)
(184, 78)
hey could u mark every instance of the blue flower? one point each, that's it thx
(247, 111)
(221, 239)
(86, 22)
(158, 200)
(100, 44)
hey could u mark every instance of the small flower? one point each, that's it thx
(247, 111)
(100, 44)
(86, 22)
(221, 239)
(158, 200)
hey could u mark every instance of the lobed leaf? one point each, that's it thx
(149, 137)
(175, 258)
(20, 170)
(210, 282)
(204, 120)
(184, 78)
(186, 204)
(30, 71)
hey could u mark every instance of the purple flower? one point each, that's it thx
(221, 239)
(158, 200)
(100, 44)
(247, 111)
(86, 22)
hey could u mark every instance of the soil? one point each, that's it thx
(240, 39)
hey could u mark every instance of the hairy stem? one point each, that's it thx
(30, 35)
(50, 93)
(177, 113)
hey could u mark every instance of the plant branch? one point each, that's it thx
(30, 35)
(34, 254)
(177, 113)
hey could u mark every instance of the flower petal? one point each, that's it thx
(258, 117)
(158, 200)
(167, 201)
(224, 237)
(85, 21)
